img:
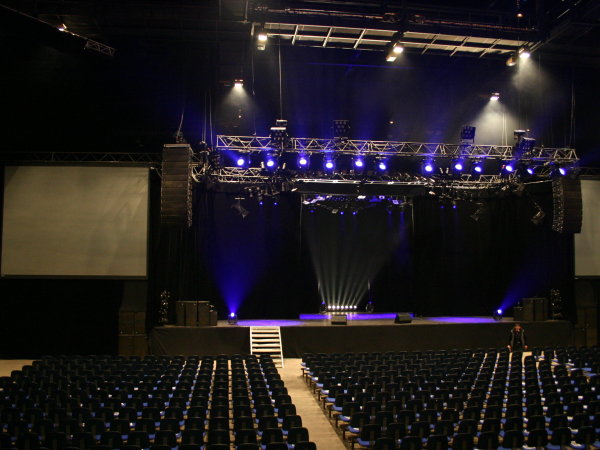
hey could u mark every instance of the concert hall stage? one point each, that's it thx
(314, 333)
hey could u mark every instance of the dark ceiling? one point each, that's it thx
(172, 56)
(566, 31)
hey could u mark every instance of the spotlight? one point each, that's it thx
(271, 161)
(238, 83)
(382, 165)
(394, 51)
(479, 213)
(467, 133)
(262, 40)
(303, 161)
(525, 145)
(495, 96)
(427, 167)
(524, 52)
(539, 215)
(359, 163)
(512, 61)
(239, 208)
(340, 129)
(457, 166)
(497, 315)
(329, 164)
(476, 168)
(507, 167)
(232, 319)
(242, 161)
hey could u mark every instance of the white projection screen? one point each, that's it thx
(73, 221)
(587, 243)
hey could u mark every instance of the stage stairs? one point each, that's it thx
(267, 340)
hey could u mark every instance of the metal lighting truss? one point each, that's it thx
(147, 159)
(539, 155)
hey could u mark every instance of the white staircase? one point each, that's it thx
(267, 341)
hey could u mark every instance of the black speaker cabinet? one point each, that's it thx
(180, 312)
(528, 310)
(191, 314)
(213, 319)
(540, 309)
(568, 205)
(203, 314)
(339, 320)
(403, 318)
(518, 315)
(176, 192)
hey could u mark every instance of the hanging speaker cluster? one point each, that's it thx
(176, 185)
(568, 206)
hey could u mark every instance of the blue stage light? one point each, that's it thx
(303, 161)
(358, 162)
(241, 161)
(458, 166)
(382, 165)
(562, 171)
(270, 163)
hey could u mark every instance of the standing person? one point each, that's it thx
(517, 341)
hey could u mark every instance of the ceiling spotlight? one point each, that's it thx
(495, 96)
(303, 161)
(524, 52)
(62, 27)
(241, 161)
(512, 61)
(382, 165)
(457, 165)
(329, 164)
(427, 167)
(509, 166)
(394, 51)
(262, 36)
(271, 161)
(467, 133)
(238, 83)
(539, 216)
(476, 168)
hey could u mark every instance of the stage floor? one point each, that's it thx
(362, 319)
(359, 335)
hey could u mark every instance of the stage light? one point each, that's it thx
(530, 170)
(271, 161)
(303, 161)
(241, 161)
(524, 52)
(525, 145)
(427, 167)
(329, 164)
(539, 215)
(457, 166)
(507, 167)
(232, 319)
(562, 170)
(495, 96)
(382, 165)
(476, 168)
(238, 83)
(359, 163)
(497, 315)
(512, 61)
(467, 133)
(341, 129)
(479, 213)
(262, 36)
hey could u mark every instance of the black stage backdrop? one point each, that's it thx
(282, 260)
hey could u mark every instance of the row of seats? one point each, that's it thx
(196, 403)
(460, 398)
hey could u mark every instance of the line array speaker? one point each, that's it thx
(568, 206)
(176, 185)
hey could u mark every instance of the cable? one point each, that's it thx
(280, 92)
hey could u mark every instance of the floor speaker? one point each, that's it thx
(528, 308)
(518, 314)
(403, 318)
(203, 314)
(339, 320)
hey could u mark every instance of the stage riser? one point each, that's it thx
(327, 339)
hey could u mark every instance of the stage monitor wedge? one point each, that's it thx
(339, 320)
(403, 318)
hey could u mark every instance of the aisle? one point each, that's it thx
(313, 417)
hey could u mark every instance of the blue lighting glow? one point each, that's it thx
(428, 167)
(359, 163)
(241, 161)
(270, 163)
(329, 165)
(382, 165)
(508, 167)
(458, 166)
(303, 161)
(563, 171)
(530, 170)
(232, 314)
(499, 312)
(478, 169)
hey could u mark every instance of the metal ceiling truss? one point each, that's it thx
(146, 159)
(540, 155)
